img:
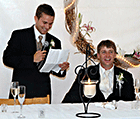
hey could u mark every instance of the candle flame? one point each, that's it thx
(89, 82)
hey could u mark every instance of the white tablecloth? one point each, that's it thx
(68, 111)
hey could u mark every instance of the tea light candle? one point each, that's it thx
(89, 90)
(89, 87)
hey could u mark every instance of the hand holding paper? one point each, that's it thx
(64, 66)
(55, 58)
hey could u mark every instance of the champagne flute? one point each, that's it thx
(14, 92)
(21, 98)
(137, 87)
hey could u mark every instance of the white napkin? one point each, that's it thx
(107, 105)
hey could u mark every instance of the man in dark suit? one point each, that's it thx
(107, 89)
(21, 54)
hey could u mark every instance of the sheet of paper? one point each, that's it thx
(55, 57)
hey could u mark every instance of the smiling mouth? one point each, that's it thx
(44, 29)
(108, 59)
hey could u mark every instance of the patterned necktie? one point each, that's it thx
(39, 44)
(105, 87)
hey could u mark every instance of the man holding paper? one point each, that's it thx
(27, 51)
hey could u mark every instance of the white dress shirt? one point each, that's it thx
(110, 79)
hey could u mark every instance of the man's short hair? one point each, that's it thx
(108, 44)
(44, 8)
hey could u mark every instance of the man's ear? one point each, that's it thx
(35, 18)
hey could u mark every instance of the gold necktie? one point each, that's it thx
(39, 44)
(106, 82)
(104, 85)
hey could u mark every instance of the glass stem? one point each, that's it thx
(20, 109)
(137, 98)
(14, 102)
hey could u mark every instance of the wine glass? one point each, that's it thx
(137, 91)
(14, 92)
(21, 98)
(137, 87)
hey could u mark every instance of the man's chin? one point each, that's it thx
(109, 65)
(44, 32)
(107, 62)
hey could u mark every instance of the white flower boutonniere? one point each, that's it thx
(120, 81)
(52, 44)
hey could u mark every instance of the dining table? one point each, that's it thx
(124, 110)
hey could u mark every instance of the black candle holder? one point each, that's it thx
(86, 82)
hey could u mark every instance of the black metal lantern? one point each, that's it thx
(89, 84)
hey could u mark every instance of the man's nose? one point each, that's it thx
(47, 26)
(107, 54)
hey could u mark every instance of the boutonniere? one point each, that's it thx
(52, 44)
(120, 81)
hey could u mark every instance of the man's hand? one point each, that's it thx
(39, 55)
(64, 66)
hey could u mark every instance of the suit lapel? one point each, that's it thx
(114, 80)
(99, 93)
(115, 87)
(32, 38)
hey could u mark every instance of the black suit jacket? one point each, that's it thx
(19, 55)
(127, 91)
